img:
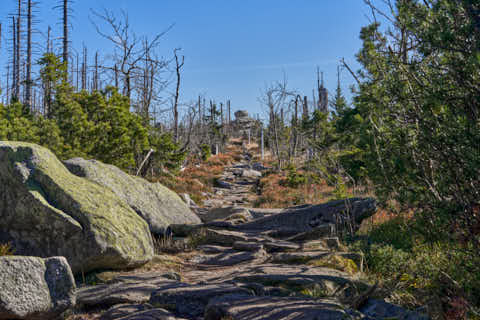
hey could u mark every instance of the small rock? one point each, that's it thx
(223, 184)
(378, 309)
(172, 276)
(250, 173)
(226, 213)
(259, 167)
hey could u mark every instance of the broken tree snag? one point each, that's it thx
(310, 217)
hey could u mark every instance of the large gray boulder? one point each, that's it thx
(35, 288)
(157, 205)
(47, 211)
(312, 220)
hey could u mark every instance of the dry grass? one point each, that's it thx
(199, 176)
(6, 249)
(276, 194)
(85, 316)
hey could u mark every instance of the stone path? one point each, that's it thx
(252, 264)
(237, 185)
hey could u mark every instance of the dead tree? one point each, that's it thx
(84, 69)
(129, 49)
(49, 40)
(178, 67)
(95, 74)
(65, 31)
(18, 49)
(305, 108)
(28, 84)
(15, 64)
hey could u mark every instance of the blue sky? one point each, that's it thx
(232, 48)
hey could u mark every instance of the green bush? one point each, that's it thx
(410, 266)
(294, 178)
(205, 152)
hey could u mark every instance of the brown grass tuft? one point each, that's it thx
(6, 249)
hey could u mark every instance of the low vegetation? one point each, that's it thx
(198, 177)
(6, 249)
(293, 187)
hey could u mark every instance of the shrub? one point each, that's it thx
(205, 152)
(6, 249)
(294, 178)
(413, 268)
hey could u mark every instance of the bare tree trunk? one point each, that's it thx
(229, 112)
(77, 71)
(116, 76)
(200, 109)
(28, 88)
(84, 69)
(19, 46)
(65, 31)
(221, 117)
(273, 125)
(8, 84)
(49, 36)
(319, 89)
(15, 63)
(178, 67)
(295, 128)
(95, 77)
(305, 108)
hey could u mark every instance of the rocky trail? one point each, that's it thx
(248, 264)
(236, 186)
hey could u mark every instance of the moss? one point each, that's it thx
(155, 203)
(198, 238)
(336, 262)
(112, 232)
(315, 292)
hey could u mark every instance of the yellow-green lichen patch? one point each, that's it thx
(112, 234)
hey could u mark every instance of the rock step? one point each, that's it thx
(244, 307)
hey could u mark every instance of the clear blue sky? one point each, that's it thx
(232, 48)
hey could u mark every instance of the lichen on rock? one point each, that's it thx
(47, 211)
(157, 205)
